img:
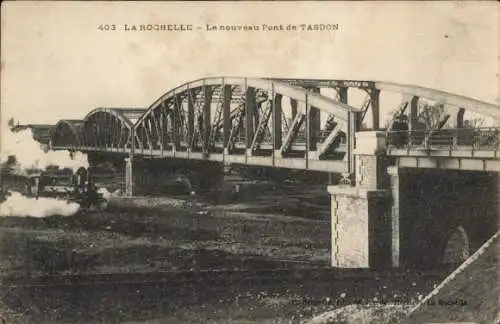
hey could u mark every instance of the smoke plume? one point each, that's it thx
(21, 206)
(29, 154)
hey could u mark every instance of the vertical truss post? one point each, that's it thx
(249, 115)
(102, 134)
(413, 118)
(157, 128)
(413, 112)
(458, 118)
(277, 117)
(226, 120)
(353, 120)
(145, 132)
(190, 119)
(151, 132)
(342, 94)
(148, 131)
(375, 103)
(293, 104)
(117, 135)
(207, 104)
(458, 122)
(166, 114)
(124, 136)
(113, 134)
(257, 115)
(132, 141)
(162, 126)
(313, 125)
(105, 131)
(176, 125)
(101, 140)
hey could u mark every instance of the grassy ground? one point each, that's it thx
(265, 233)
(124, 240)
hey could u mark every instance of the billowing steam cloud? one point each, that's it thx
(29, 154)
(21, 206)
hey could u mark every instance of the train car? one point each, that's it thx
(76, 187)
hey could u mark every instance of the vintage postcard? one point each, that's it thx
(249, 162)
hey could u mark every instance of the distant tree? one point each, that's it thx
(474, 123)
(431, 115)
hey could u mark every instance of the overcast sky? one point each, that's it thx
(57, 64)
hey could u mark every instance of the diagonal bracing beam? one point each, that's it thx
(237, 117)
(434, 129)
(262, 127)
(292, 132)
(329, 140)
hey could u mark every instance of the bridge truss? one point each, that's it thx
(241, 120)
(244, 121)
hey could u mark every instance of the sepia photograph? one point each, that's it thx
(248, 162)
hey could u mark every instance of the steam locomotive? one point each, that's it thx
(78, 187)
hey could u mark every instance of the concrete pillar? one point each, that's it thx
(136, 176)
(349, 224)
(395, 215)
(129, 177)
(370, 160)
(360, 214)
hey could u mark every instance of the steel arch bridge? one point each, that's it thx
(67, 132)
(244, 121)
(108, 128)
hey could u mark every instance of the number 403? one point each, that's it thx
(106, 27)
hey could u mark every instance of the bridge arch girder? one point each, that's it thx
(445, 98)
(293, 92)
(67, 132)
(109, 127)
(257, 109)
(451, 102)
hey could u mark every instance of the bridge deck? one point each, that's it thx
(459, 148)
(310, 163)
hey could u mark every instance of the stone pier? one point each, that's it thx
(362, 235)
(135, 176)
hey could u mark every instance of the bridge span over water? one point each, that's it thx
(408, 187)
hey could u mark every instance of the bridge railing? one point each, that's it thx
(448, 139)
